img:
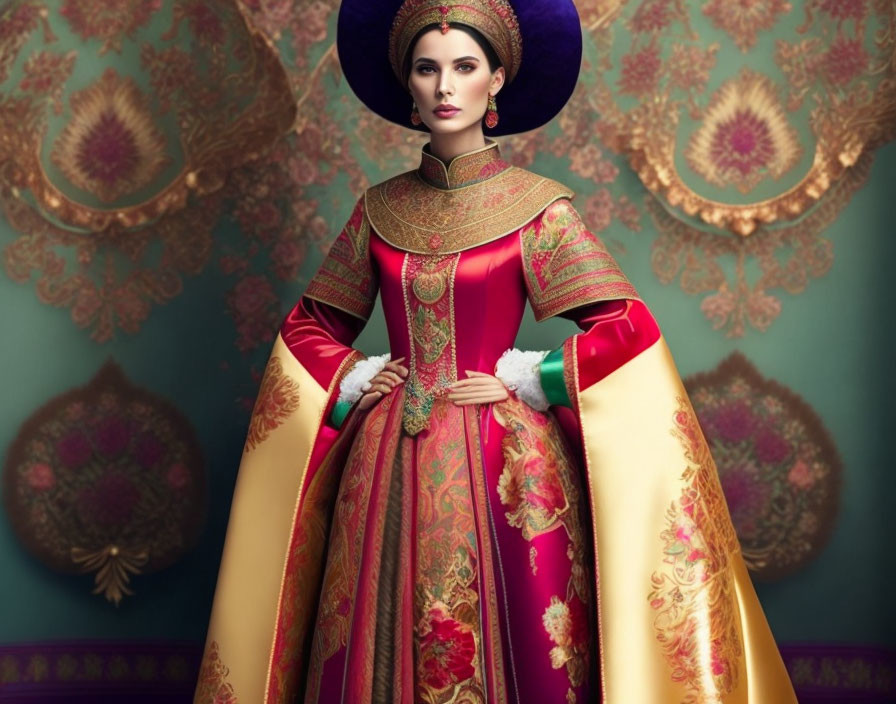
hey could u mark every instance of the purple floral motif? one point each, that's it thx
(771, 448)
(732, 422)
(111, 436)
(747, 496)
(74, 449)
(148, 450)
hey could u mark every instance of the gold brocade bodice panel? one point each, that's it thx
(448, 313)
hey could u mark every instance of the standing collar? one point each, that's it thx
(464, 169)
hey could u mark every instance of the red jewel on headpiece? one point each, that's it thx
(444, 10)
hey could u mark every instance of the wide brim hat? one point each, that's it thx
(551, 57)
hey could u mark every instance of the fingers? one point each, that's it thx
(480, 382)
(487, 398)
(397, 368)
(473, 384)
(391, 376)
(487, 393)
(367, 400)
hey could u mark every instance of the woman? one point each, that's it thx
(467, 522)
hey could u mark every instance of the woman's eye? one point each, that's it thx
(467, 67)
(425, 69)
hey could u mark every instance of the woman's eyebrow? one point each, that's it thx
(432, 61)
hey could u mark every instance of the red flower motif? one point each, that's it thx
(743, 143)
(206, 24)
(841, 10)
(253, 305)
(651, 16)
(800, 475)
(178, 476)
(447, 650)
(640, 72)
(40, 477)
(108, 152)
(845, 60)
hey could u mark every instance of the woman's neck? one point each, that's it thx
(448, 146)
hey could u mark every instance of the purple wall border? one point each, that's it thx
(99, 672)
(144, 672)
(841, 672)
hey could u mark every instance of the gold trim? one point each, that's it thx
(461, 169)
(416, 217)
(300, 495)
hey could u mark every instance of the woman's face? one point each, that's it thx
(451, 70)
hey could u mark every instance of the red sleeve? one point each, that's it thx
(320, 337)
(614, 332)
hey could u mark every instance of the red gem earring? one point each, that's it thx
(491, 115)
(415, 116)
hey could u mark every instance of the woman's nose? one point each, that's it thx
(446, 84)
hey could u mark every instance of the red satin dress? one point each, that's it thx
(459, 564)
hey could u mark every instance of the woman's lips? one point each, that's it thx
(446, 111)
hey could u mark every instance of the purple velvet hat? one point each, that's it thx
(551, 57)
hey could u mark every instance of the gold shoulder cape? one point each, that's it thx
(416, 216)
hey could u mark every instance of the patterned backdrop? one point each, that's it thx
(146, 145)
(751, 133)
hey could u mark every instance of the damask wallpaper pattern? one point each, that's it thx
(715, 147)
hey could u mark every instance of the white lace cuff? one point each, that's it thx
(521, 372)
(351, 388)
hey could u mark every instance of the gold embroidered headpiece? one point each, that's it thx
(494, 19)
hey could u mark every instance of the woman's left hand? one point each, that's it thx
(479, 388)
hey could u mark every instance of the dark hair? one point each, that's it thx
(494, 63)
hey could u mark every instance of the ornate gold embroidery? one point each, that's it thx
(346, 547)
(537, 485)
(569, 372)
(566, 266)
(464, 170)
(346, 278)
(568, 629)
(277, 399)
(449, 597)
(414, 216)
(212, 687)
(430, 317)
(495, 19)
(695, 591)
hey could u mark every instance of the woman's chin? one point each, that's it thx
(451, 126)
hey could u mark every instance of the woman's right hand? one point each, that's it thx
(393, 374)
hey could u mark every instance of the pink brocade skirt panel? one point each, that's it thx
(458, 565)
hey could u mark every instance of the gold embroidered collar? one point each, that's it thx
(477, 198)
(464, 169)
